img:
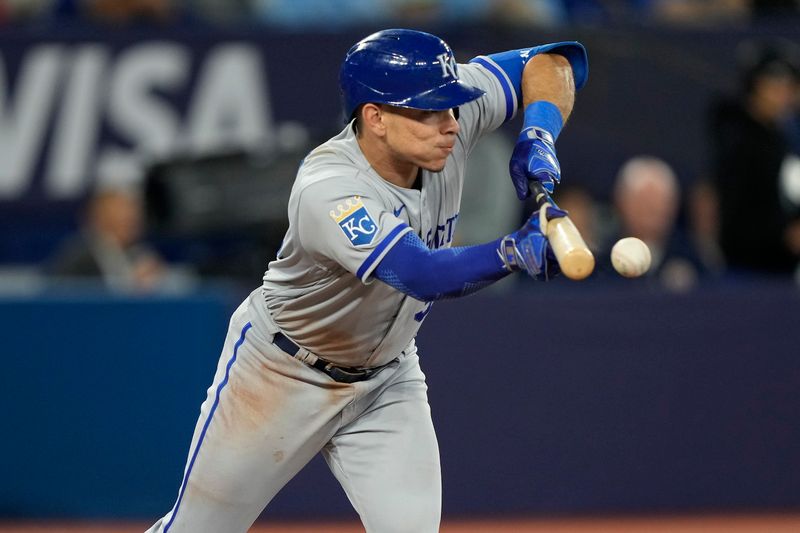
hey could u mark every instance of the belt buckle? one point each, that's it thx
(341, 375)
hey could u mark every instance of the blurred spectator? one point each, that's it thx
(423, 12)
(324, 14)
(116, 12)
(703, 211)
(699, 12)
(756, 174)
(126, 11)
(319, 14)
(774, 9)
(109, 247)
(13, 11)
(647, 200)
(220, 12)
(336, 15)
(679, 12)
(583, 211)
(526, 13)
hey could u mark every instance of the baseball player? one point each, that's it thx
(321, 357)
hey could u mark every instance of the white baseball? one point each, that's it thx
(630, 257)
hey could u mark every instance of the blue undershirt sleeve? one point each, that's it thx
(427, 275)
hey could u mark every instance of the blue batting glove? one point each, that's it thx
(528, 249)
(534, 156)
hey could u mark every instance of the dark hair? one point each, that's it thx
(770, 58)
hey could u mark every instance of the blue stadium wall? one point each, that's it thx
(559, 400)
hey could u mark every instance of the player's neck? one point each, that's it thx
(401, 173)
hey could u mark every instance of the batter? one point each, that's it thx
(321, 357)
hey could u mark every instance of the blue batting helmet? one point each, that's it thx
(403, 68)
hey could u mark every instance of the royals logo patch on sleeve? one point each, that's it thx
(355, 221)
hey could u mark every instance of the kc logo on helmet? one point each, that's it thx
(355, 221)
(448, 64)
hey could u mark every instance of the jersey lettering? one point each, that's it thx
(442, 234)
(448, 64)
(419, 317)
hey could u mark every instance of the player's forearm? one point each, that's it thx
(429, 275)
(550, 73)
(549, 78)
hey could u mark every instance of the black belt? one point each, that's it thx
(341, 374)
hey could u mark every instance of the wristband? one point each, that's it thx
(544, 115)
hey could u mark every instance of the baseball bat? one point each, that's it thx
(574, 257)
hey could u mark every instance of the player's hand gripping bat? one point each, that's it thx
(574, 257)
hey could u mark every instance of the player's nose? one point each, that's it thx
(449, 124)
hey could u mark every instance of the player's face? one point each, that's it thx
(421, 138)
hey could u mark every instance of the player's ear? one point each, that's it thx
(372, 119)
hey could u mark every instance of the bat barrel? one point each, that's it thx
(574, 257)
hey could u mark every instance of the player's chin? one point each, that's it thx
(435, 165)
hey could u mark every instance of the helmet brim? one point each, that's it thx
(452, 94)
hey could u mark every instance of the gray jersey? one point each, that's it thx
(344, 218)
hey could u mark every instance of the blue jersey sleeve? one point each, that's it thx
(507, 67)
(427, 275)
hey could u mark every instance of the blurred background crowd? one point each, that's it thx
(730, 213)
(298, 14)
